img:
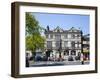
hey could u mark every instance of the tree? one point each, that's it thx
(34, 40)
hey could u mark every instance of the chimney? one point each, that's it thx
(48, 28)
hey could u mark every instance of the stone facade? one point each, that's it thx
(86, 46)
(68, 42)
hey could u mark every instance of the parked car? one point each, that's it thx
(44, 58)
(77, 58)
(70, 58)
(38, 56)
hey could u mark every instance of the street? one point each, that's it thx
(56, 63)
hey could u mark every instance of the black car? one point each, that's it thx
(70, 58)
(77, 58)
(39, 56)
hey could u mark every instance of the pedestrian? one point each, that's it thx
(82, 58)
(27, 62)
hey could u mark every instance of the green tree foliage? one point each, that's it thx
(34, 40)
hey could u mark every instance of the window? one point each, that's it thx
(47, 36)
(57, 36)
(69, 35)
(58, 30)
(65, 36)
(51, 36)
(73, 44)
(58, 45)
(73, 52)
(78, 44)
(73, 35)
(66, 52)
(65, 44)
(49, 44)
(78, 36)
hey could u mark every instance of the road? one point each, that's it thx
(56, 63)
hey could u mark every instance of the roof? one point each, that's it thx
(60, 30)
(86, 37)
(73, 29)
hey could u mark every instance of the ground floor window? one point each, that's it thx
(66, 52)
(73, 52)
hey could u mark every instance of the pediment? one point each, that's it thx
(73, 29)
(58, 29)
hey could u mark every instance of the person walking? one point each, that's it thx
(82, 58)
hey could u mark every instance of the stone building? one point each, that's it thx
(68, 42)
(86, 46)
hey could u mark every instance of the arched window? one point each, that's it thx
(73, 44)
(73, 52)
(66, 52)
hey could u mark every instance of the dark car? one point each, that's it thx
(38, 56)
(77, 58)
(70, 58)
(45, 58)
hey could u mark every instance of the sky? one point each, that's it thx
(64, 21)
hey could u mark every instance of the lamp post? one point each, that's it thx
(60, 49)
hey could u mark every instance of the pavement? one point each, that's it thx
(56, 63)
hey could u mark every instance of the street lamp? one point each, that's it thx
(60, 48)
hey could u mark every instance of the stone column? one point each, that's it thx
(69, 52)
(69, 44)
(76, 52)
(62, 44)
(76, 45)
(53, 44)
